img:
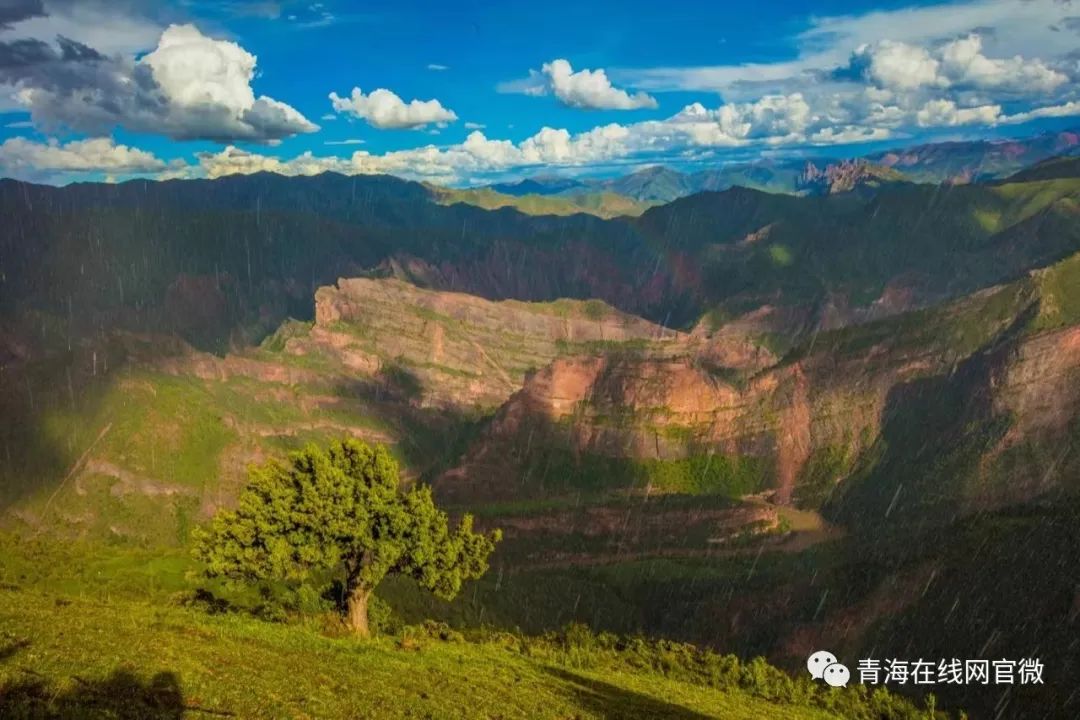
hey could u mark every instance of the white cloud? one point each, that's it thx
(203, 76)
(945, 113)
(350, 141)
(959, 63)
(189, 87)
(587, 89)
(1067, 109)
(897, 65)
(774, 119)
(22, 157)
(963, 63)
(437, 67)
(849, 135)
(474, 126)
(384, 109)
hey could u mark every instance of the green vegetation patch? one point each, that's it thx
(1059, 290)
(715, 474)
(819, 476)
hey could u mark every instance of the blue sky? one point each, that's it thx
(470, 92)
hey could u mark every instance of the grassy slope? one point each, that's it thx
(236, 665)
(601, 204)
(89, 631)
(949, 241)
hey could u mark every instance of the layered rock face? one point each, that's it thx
(678, 408)
(461, 351)
(830, 411)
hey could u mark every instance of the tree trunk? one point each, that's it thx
(357, 616)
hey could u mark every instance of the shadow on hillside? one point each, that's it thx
(935, 433)
(614, 703)
(48, 405)
(121, 695)
(431, 439)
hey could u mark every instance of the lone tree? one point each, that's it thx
(341, 511)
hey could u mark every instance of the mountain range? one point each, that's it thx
(934, 163)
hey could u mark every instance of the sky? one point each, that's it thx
(466, 93)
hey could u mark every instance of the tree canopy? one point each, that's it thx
(342, 511)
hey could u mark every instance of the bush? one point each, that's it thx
(577, 646)
(383, 619)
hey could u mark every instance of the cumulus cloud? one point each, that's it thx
(21, 157)
(896, 65)
(189, 87)
(775, 117)
(959, 63)
(945, 113)
(1067, 109)
(964, 64)
(383, 109)
(849, 135)
(587, 89)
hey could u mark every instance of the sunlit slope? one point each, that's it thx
(908, 244)
(602, 204)
(77, 621)
(144, 436)
(208, 664)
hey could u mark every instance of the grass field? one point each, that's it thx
(88, 631)
(91, 658)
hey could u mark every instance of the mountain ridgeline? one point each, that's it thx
(953, 163)
(767, 422)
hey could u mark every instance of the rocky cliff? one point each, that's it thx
(460, 350)
(797, 427)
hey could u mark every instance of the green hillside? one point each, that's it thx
(601, 204)
(90, 633)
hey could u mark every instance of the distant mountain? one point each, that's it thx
(846, 176)
(540, 186)
(952, 162)
(974, 161)
(209, 259)
(780, 176)
(1052, 169)
(655, 183)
